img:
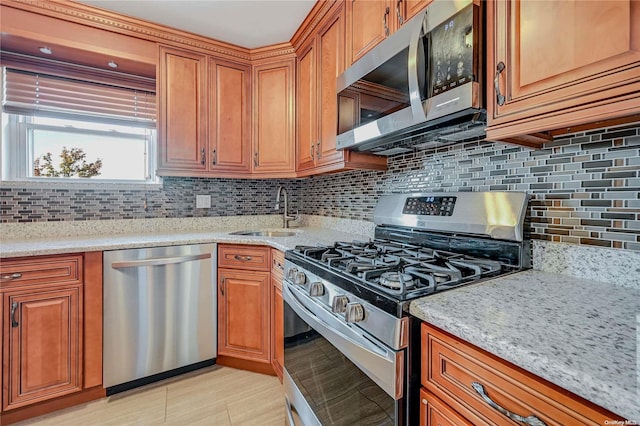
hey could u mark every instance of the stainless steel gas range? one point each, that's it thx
(351, 349)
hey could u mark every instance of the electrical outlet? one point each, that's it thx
(203, 201)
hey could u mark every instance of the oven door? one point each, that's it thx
(333, 374)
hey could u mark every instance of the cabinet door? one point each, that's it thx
(434, 412)
(368, 23)
(277, 326)
(229, 131)
(410, 8)
(307, 112)
(42, 343)
(277, 312)
(274, 144)
(331, 65)
(243, 314)
(182, 119)
(563, 63)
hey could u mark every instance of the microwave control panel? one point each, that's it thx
(429, 206)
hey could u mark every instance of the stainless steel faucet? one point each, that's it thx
(285, 216)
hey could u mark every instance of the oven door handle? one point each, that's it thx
(383, 366)
(320, 318)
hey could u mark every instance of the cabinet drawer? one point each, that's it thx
(277, 264)
(255, 258)
(450, 366)
(434, 412)
(43, 270)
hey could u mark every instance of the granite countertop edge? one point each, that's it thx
(61, 245)
(575, 357)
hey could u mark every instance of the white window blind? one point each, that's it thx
(30, 93)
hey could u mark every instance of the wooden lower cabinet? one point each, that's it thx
(250, 308)
(243, 314)
(51, 314)
(277, 317)
(43, 346)
(244, 300)
(453, 369)
(434, 412)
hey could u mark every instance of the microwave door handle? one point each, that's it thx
(413, 68)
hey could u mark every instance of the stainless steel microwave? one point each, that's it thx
(423, 80)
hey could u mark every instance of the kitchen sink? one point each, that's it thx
(265, 233)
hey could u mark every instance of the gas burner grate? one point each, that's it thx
(400, 269)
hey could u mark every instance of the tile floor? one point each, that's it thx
(216, 396)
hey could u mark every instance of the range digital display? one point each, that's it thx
(429, 206)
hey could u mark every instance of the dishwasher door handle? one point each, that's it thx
(159, 261)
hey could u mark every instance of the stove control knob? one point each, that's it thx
(316, 289)
(354, 312)
(291, 273)
(299, 278)
(339, 304)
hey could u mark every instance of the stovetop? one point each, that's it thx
(402, 271)
(424, 243)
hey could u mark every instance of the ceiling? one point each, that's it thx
(246, 23)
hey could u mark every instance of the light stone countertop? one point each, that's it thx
(44, 246)
(579, 334)
(45, 238)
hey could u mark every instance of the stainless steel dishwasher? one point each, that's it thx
(159, 313)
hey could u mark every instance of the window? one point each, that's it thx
(107, 132)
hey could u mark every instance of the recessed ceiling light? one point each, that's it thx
(46, 50)
(112, 64)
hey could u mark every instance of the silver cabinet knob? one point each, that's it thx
(316, 289)
(354, 312)
(299, 278)
(339, 304)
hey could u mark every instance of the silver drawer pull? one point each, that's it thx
(242, 258)
(530, 420)
(13, 276)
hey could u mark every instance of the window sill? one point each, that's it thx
(75, 184)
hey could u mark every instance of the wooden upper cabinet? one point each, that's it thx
(410, 8)
(368, 23)
(307, 107)
(321, 59)
(560, 64)
(331, 52)
(204, 120)
(274, 119)
(229, 129)
(182, 118)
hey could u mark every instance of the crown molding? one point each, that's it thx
(311, 22)
(275, 51)
(100, 18)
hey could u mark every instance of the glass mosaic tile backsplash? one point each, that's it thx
(585, 189)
